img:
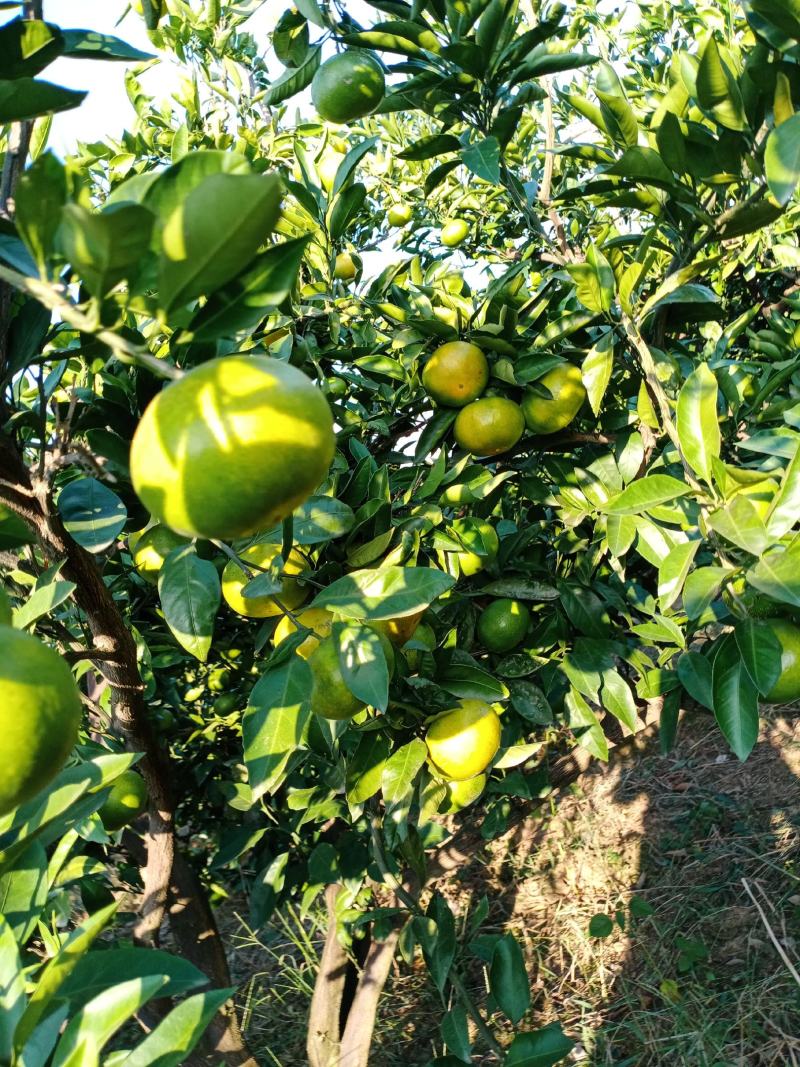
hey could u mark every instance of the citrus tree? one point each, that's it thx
(318, 574)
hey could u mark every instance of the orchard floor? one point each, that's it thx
(681, 848)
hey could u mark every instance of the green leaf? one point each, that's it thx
(646, 493)
(292, 81)
(95, 1024)
(596, 368)
(595, 285)
(23, 891)
(717, 90)
(782, 159)
(48, 593)
(740, 523)
(350, 162)
(190, 594)
(173, 1039)
(585, 724)
(529, 701)
(243, 303)
(673, 571)
(26, 98)
(618, 699)
(290, 38)
(436, 933)
(365, 769)
(483, 159)
(542, 1048)
(39, 198)
(164, 193)
(618, 117)
(215, 233)
(785, 507)
(601, 925)
(275, 723)
(735, 699)
(363, 664)
(105, 247)
(390, 593)
(345, 209)
(563, 327)
(508, 978)
(455, 1033)
(470, 682)
(91, 44)
(698, 425)
(701, 589)
(437, 144)
(401, 770)
(778, 575)
(93, 514)
(12, 990)
(695, 674)
(27, 46)
(761, 653)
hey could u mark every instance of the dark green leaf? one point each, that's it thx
(735, 698)
(389, 593)
(93, 514)
(363, 664)
(275, 723)
(508, 978)
(542, 1048)
(26, 98)
(189, 589)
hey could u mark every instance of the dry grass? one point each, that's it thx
(697, 982)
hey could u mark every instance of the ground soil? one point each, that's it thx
(692, 856)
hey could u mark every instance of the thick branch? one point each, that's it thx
(357, 1036)
(324, 1019)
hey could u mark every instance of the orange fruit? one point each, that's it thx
(549, 416)
(151, 548)
(398, 630)
(489, 426)
(40, 714)
(456, 374)
(232, 447)
(787, 687)
(234, 580)
(399, 214)
(345, 268)
(330, 696)
(348, 86)
(463, 742)
(503, 625)
(126, 801)
(454, 232)
(460, 794)
(317, 619)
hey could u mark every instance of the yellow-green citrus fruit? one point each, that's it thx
(461, 794)
(787, 687)
(489, 426)
(398, 630)
(40, 713)
(232, 447)
(746, 602)
(549, 416)
(348, 86)
(400, 214)
(226, 704)
(126, 801)
(317, 619)
(335, 387)
(262, 554)
(5, 608)
(456, 374)
(219, 679)
(327, 167)
(151, 548)
(454, 232)
(345, 268)
(330, 697)
(503, 625)
(471, 563)
(463, 742)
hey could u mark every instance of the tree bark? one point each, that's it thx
(324, 1020)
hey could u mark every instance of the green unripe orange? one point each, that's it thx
(463, 742)
(348, 86)
(460, 794)
(549, 416)
(345, 268)
(489, 426)
(40, 714)
(470, 563)
(787, 687)
(232, 447)
(126, 801)
(456, 374)
(454, 232)
(330, 697)
(503, 624)
(399, 214)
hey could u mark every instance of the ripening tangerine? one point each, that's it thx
(456, 374)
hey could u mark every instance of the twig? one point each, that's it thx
(781, 952)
